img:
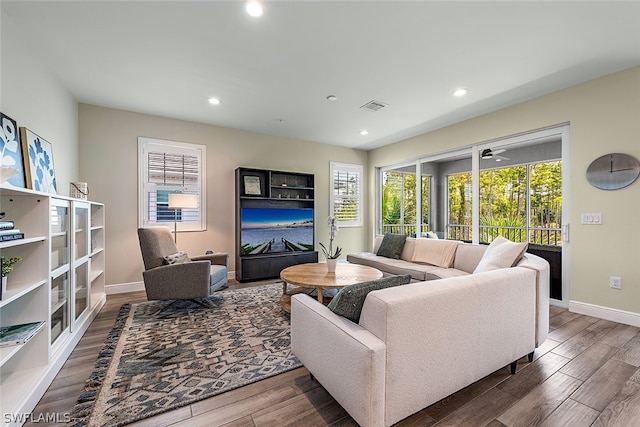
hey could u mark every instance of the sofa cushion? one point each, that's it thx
(408, 248)
(177, 258)
(501, 253)
(435, 252)
(468, 256)
(392, 266)
(445, 273)
(392, 245)
(349, 301)
(377, 242)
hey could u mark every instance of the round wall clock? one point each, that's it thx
(613, 171)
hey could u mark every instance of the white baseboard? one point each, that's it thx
(123, 288)
(558, 303)
(615, 315)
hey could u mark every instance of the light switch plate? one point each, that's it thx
(591, 218)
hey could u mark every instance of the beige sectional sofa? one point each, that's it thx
(418, 343)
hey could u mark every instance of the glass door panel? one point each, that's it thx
(59, 256)
(399, 201)
(81, 229)
(81, 239)
(59, 305)
(81, 289)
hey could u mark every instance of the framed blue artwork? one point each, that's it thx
(39, 171)
(11, 166)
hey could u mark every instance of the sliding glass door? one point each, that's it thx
(511, 190)
(399, 200)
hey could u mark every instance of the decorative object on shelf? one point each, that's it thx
(79, 190)
(7, 230)
(613, 171)
(252, 185)
(39, 171)
(331, 256)
(181, 201)
(19, 334)
(7, 267)
(12, 166)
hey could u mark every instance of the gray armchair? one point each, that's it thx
(198, 277)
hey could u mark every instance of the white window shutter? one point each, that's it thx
(167, 167)
(346, 193)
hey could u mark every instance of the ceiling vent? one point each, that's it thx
(374, 105)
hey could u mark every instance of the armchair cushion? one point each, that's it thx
(218, 277)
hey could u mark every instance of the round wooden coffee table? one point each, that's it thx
(315, 276)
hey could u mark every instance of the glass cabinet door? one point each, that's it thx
(81, 289)
(81, 229)
(60, 304)
(81, 237)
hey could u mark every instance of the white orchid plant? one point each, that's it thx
(332, 222)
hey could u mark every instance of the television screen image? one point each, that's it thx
(274, 230)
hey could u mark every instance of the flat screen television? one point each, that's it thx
(275, 230)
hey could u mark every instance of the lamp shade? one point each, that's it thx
(183, 201)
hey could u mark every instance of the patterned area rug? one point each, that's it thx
(162, 355)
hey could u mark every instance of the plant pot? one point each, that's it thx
(331, 265)
(4, 286)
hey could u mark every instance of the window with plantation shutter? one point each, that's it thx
(346, 197)
(167, 167)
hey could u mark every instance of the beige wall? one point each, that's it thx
(604, 117)
(109, 163)
(35, 99)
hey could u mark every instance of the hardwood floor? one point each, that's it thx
(586, 374)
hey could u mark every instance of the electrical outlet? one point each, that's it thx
(615, 282)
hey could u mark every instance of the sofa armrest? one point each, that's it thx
(178, 281)
(344, 357)
(219, 258)
(543, 271)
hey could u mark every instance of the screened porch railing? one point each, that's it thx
(551, 236)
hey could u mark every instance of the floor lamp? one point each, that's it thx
(181, 201)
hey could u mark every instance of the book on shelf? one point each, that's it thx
(6, 225)
(18, 334)
(11, 236)
(9, 231)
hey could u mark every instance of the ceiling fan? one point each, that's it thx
(488, 153)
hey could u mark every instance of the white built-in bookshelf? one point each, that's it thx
(59, 281)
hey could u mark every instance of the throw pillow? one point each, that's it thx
(177, 258)
(349, 301)
(501, 253)
(391, 246)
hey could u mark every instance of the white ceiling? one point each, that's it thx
(273, 73)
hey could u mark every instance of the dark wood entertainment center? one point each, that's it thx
(271, 189)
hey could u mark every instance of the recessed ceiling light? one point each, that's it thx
(460, 92)
(364, 132)
(332, 98)
(253, 8)
(214, 101)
